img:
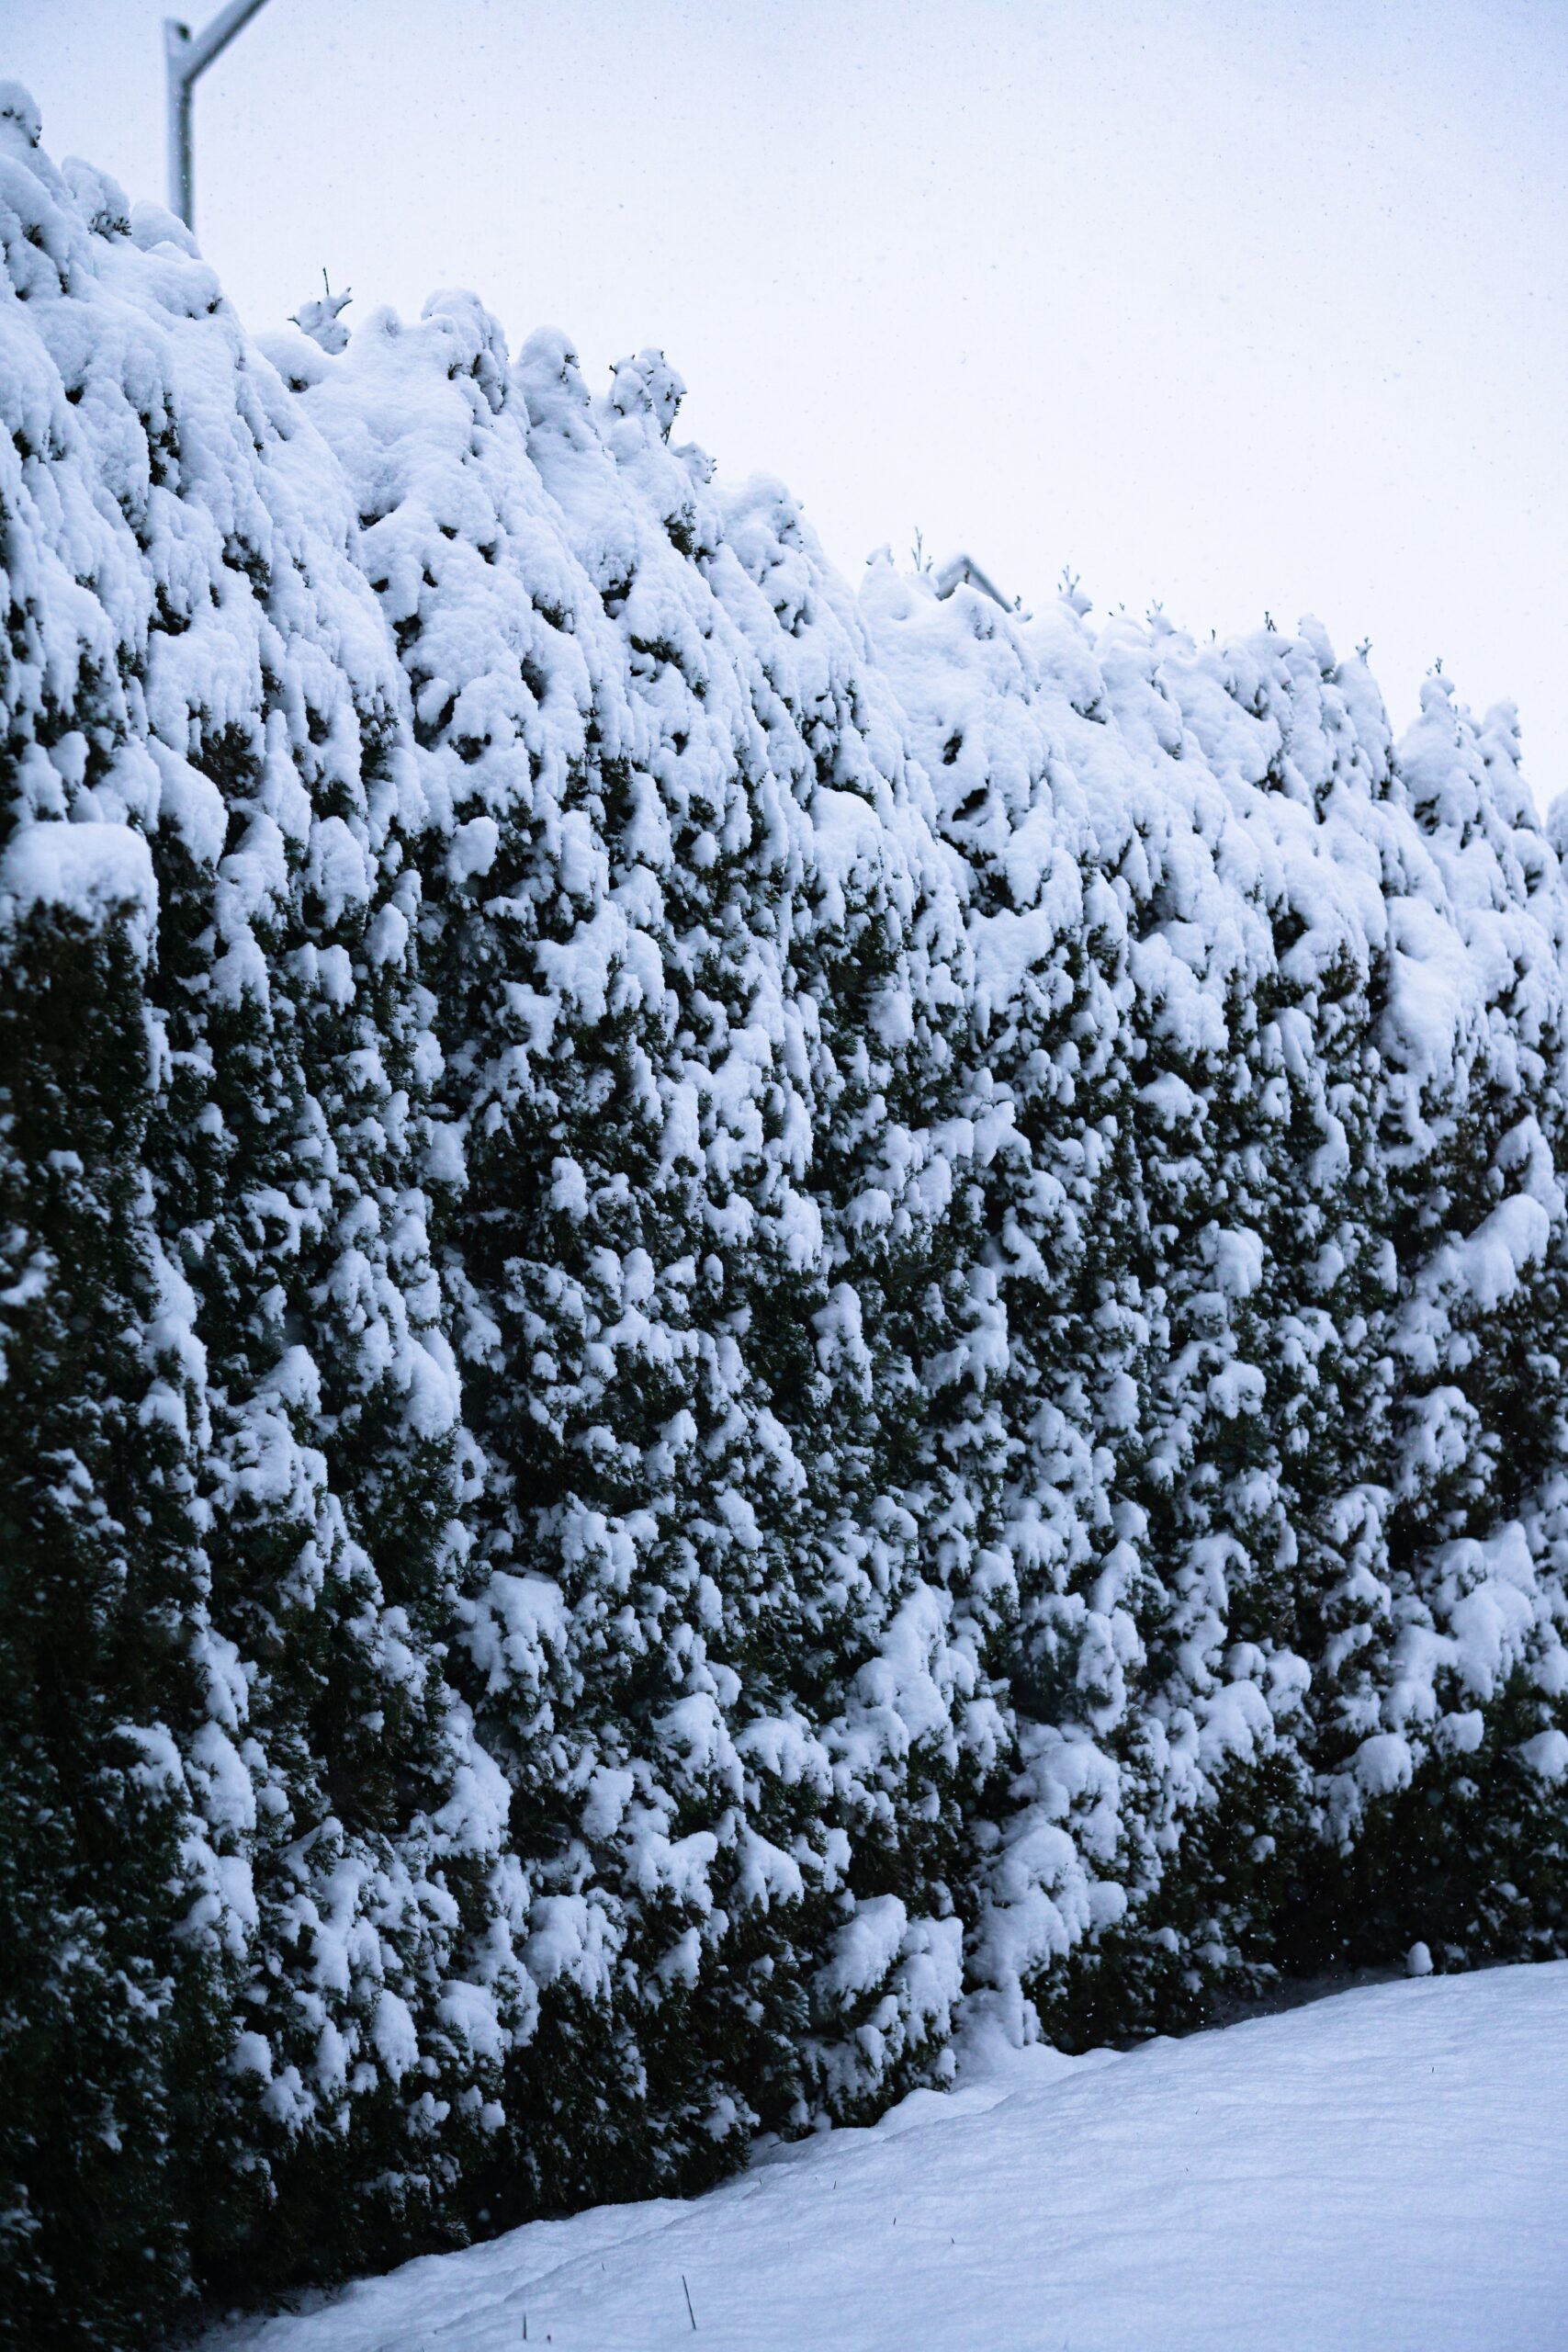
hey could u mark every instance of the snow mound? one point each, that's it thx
(1379, 2170)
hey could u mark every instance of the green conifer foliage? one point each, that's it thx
(197, 672)
(107, 2007)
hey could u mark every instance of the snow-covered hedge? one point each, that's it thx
(730, 1314)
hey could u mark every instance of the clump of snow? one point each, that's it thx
(92, 872)
(322, 318)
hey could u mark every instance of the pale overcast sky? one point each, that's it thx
(1229, 303)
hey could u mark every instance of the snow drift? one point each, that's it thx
(1378, 2172)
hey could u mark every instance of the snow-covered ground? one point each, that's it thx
(1383, 2171)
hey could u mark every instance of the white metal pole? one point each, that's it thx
(186, 57)
(182, 197)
